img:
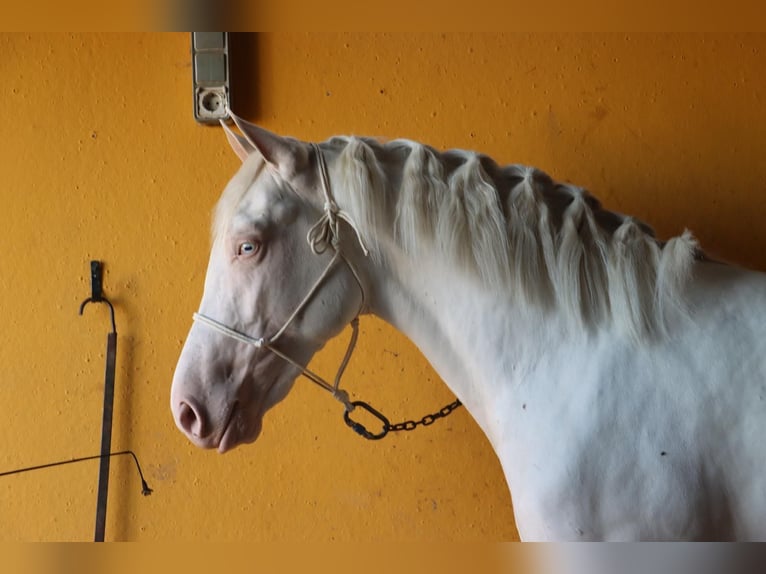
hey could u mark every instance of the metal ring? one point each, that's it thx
(360, 429)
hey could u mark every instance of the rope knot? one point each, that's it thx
(343, 397)
(321, 235)
(331, 207)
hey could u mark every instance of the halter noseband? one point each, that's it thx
(324, 234)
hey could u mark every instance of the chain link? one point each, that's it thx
(426, 420)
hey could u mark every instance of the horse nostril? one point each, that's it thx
(191, 421)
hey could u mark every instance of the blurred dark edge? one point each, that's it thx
(243, 50)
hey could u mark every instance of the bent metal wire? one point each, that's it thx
(145, 490)
(324, 234)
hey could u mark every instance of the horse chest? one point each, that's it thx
(593, 483)
(588, 454)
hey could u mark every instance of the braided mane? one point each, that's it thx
(516, 231)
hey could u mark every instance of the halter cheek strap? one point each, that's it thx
(324, 234)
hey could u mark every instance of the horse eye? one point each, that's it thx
(247, 248)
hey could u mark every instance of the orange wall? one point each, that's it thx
(101, 159)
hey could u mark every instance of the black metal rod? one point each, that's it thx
(106, 437)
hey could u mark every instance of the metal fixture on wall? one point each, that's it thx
(97, 296)
(210, 70)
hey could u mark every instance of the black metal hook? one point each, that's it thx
(97, 291)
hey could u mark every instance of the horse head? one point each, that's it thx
(270, 300)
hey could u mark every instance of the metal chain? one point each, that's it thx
(426, 420)
(387, 427)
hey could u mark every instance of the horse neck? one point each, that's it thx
(478, 340)
(468, 257)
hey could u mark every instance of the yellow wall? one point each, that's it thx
(100, 158)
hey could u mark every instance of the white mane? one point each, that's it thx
(517, 231)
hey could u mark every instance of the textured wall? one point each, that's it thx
(101, 159)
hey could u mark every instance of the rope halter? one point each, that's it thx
(323, 235)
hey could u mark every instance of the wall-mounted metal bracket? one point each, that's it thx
(210, 69)
(97, 296)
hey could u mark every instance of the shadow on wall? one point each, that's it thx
(245, 87)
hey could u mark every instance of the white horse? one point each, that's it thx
(621, 380)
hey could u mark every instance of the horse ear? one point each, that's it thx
(282, 153)
(239, 144)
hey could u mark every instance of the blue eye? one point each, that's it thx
(247, 248)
